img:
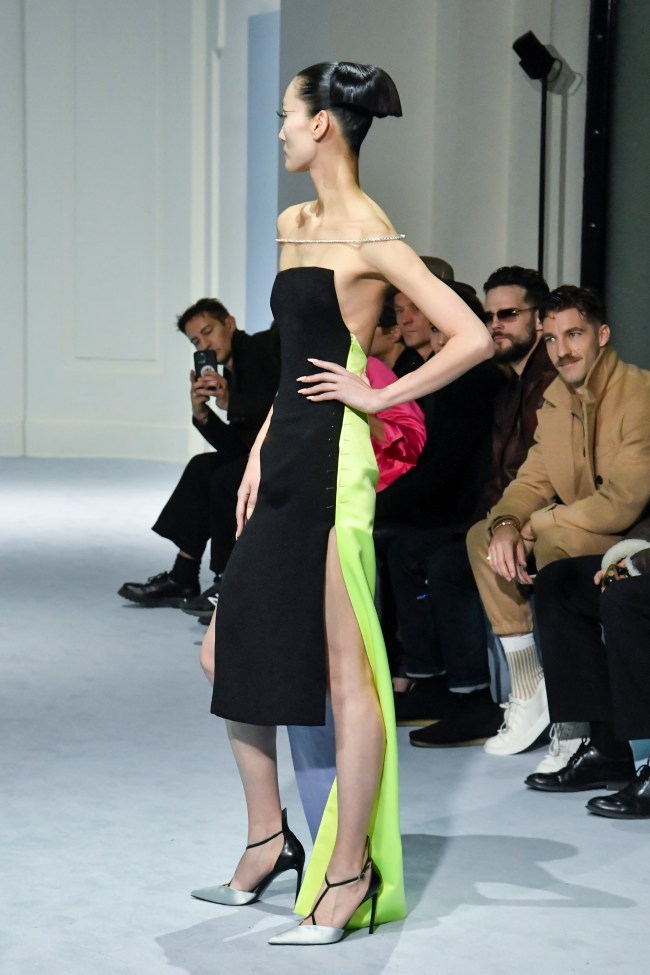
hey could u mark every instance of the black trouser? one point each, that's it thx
(441, 621)
(202, 507)
(595, 646)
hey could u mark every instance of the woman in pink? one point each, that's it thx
(397, 434)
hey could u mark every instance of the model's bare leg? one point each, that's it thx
(254, 748)
(360, 744)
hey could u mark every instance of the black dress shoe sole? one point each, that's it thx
(207, 613)
(168, 602)
(609, 784)
(449, 744)
(616, 814)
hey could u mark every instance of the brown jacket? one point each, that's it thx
(515, 422)
(588, 468)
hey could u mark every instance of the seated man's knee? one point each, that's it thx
(203, 465)
(551, 580)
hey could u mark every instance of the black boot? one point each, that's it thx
(474, 718)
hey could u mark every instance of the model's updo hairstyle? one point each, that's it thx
(354, 93)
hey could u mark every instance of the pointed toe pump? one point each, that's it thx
(292, 857)
(319, 934)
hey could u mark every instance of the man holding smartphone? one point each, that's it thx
(202, 506)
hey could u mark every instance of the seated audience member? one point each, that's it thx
(594, 623)
(442, 624)
(387, 344)
(441, 488)
(581, 487)
(202, 506)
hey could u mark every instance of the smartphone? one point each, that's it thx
(205, 363)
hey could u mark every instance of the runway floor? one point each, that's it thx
(119, 793)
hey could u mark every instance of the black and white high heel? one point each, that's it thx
(319, 934)
(292, 857)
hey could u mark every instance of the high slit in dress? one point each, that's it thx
(318, 472)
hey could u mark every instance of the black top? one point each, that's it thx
(252, 384)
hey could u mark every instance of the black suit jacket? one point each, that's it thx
(252, 384)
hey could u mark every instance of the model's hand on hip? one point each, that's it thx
(336, 382)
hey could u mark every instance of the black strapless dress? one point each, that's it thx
(318, 472)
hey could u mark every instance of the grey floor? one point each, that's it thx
(118, 794)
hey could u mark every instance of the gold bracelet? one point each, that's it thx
(505, 520)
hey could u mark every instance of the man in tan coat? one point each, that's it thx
(582, 486)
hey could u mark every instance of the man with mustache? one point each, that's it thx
(583, 484)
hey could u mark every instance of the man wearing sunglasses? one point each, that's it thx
(582, 486)
(442, 622)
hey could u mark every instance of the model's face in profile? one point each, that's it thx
(297, 132)
(512, 322)
(573, 344)
(206, 332)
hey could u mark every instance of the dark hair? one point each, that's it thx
(353, 93)
(387, 318)
(469, 296)
(515, 276)
(204, 306)
(585, 300)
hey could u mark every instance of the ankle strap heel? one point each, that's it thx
(291, 857)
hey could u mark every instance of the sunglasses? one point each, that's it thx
(505, 315)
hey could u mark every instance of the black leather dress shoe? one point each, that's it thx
(586, 769)
(160, 590)
(200, 605)
(632, 802)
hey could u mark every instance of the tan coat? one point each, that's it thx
(589, 468)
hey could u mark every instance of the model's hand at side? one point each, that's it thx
(247, 493)
(336, 382)
(508, 553)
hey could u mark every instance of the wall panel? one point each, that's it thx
(110, 139)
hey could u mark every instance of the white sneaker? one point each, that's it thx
(564, 743)
(523, 723)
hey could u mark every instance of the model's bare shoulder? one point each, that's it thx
(379, 217)
(292, 220)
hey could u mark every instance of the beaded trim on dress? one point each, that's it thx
(349, 240)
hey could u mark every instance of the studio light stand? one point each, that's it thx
(538, 63)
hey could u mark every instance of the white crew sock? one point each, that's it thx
(523, 664)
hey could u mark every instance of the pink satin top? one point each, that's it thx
(404, 432)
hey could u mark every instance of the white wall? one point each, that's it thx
(459, 172)
(12, 230)
(123, 200)
(232, 153)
